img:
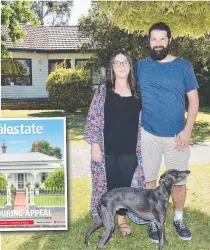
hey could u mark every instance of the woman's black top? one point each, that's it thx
(121, 118)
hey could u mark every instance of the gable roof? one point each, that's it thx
(47, 39)
(26, 157)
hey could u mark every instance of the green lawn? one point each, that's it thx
(76, 122)
(3, 200)
(49, 200)
(197, 217)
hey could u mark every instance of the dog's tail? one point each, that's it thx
(95, 227)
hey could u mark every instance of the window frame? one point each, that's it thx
(21, 75)
(56, 60)
(44, 175)
(80, 59)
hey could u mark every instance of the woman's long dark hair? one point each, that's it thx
(111, 78)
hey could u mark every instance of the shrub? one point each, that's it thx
(37, 185)
(13, 189)
(3, 181)
(55, 179)
(70, 88)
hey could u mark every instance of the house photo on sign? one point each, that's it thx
(33, 174)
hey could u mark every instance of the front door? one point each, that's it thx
(21, 181)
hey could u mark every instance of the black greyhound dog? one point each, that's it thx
(147, 204)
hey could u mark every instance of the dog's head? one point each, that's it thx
(173, 176)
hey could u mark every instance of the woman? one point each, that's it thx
(113, 130)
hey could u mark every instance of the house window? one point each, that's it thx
(43, 177)
(52, 63)
(16, 72)
(80, 62)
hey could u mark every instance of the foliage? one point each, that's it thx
(28, 185)
(13, 189)
(107, 38)
(12, 67)
(13, 14)
(56, 179)
(70, 88)
(37, 185)
(45, 148)
(203, 76)
(3, 181)
(197, 51)
(52, 12)
(136, 16)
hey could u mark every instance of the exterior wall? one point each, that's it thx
(39, 76)
(12, 179)
(39, 62)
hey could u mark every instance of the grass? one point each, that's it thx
(3, 200)
(197, 216)
(49, 200)
(76, 123)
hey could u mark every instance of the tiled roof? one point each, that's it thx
(48, 38)
(26, 157)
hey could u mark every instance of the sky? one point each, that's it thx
(53, 132)
(80, 8)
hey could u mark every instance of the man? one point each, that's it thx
(164, 80)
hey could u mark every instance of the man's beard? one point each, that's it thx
(159, 55)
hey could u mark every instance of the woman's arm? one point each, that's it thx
(93, 127)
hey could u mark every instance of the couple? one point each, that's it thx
(128, 133)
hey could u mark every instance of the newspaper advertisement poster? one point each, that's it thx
(33, 174)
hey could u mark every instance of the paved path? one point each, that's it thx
(20, 202)
(79, 159)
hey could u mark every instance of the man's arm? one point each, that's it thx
(183, 138)
(193, 100)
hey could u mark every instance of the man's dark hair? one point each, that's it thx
(160, 26)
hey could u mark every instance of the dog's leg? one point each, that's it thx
(160, 230)
(161, 218)
(164, 234)
(92, 230)
(108, 223)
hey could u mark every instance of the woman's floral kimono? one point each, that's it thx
(94, 134)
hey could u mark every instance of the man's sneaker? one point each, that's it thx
(182, 230)
(153, 233)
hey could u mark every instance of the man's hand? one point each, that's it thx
(96, 154)
(183, 140)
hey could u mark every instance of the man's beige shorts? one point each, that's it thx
(153, 147)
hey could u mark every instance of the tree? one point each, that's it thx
(45, 148)
(13, 15)
(106, 38)
(52, 12)
(184, 18)
(3, 182)
(55, 179)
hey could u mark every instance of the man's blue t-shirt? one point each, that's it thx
(163, 88)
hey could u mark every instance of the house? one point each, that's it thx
(28, 167)
(24, 77)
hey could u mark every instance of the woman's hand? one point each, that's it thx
(96, 154)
